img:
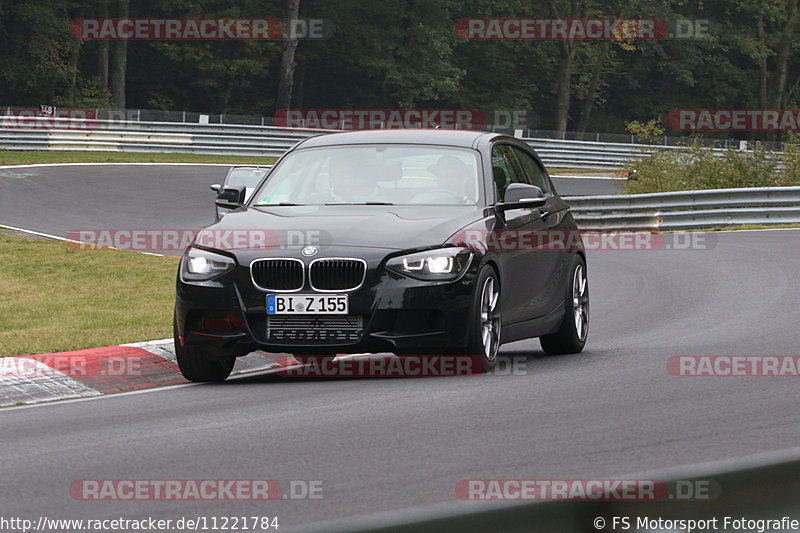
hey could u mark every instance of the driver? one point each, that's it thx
(348, 180)
(453, 175)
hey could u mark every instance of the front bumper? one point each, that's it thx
(390, 313)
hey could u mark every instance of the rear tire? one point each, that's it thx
(571, 336)
(195, 363)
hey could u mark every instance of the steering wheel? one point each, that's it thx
(431, 196)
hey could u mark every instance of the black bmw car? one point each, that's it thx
(401, 241)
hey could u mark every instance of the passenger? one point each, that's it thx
(455, 176)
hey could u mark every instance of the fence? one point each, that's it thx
(253, 140)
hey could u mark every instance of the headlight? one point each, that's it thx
(200, 265)
(444, 264)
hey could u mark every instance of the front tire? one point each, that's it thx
(484, 335)
(571, 336)
(195, 363)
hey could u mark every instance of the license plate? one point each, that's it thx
(307, 304)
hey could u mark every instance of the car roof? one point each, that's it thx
(446, 137)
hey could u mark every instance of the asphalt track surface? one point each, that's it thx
(391, 444)
(58, 199)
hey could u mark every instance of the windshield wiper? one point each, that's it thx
(280, 203)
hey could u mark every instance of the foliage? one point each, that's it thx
(648, 131)
(695, 167)
(406, 53)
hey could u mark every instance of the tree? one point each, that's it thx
(286, 75)
(783, 54)
(566, 53)
(420, 66)
(119, 53)
(35, 51)
(103, 51)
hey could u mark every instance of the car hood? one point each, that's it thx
(390, 227)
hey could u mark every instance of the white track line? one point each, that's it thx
(101, 397)
(38, 233)
(56, 237)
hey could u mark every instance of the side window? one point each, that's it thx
(505, 169)
(535, 174)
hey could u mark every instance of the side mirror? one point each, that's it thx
(231, 197)
(217, 188)
(522, 196)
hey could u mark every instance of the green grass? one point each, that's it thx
(58, 298)
(32, 157)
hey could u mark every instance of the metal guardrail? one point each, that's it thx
(710, 139)
(590, 155)
(175, 137)
(239, 139)
(688, 209)
(60, 133)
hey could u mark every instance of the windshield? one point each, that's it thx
(375, 174)
(249, 177)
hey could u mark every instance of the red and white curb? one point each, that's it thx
(97, 371)
(32, 379)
